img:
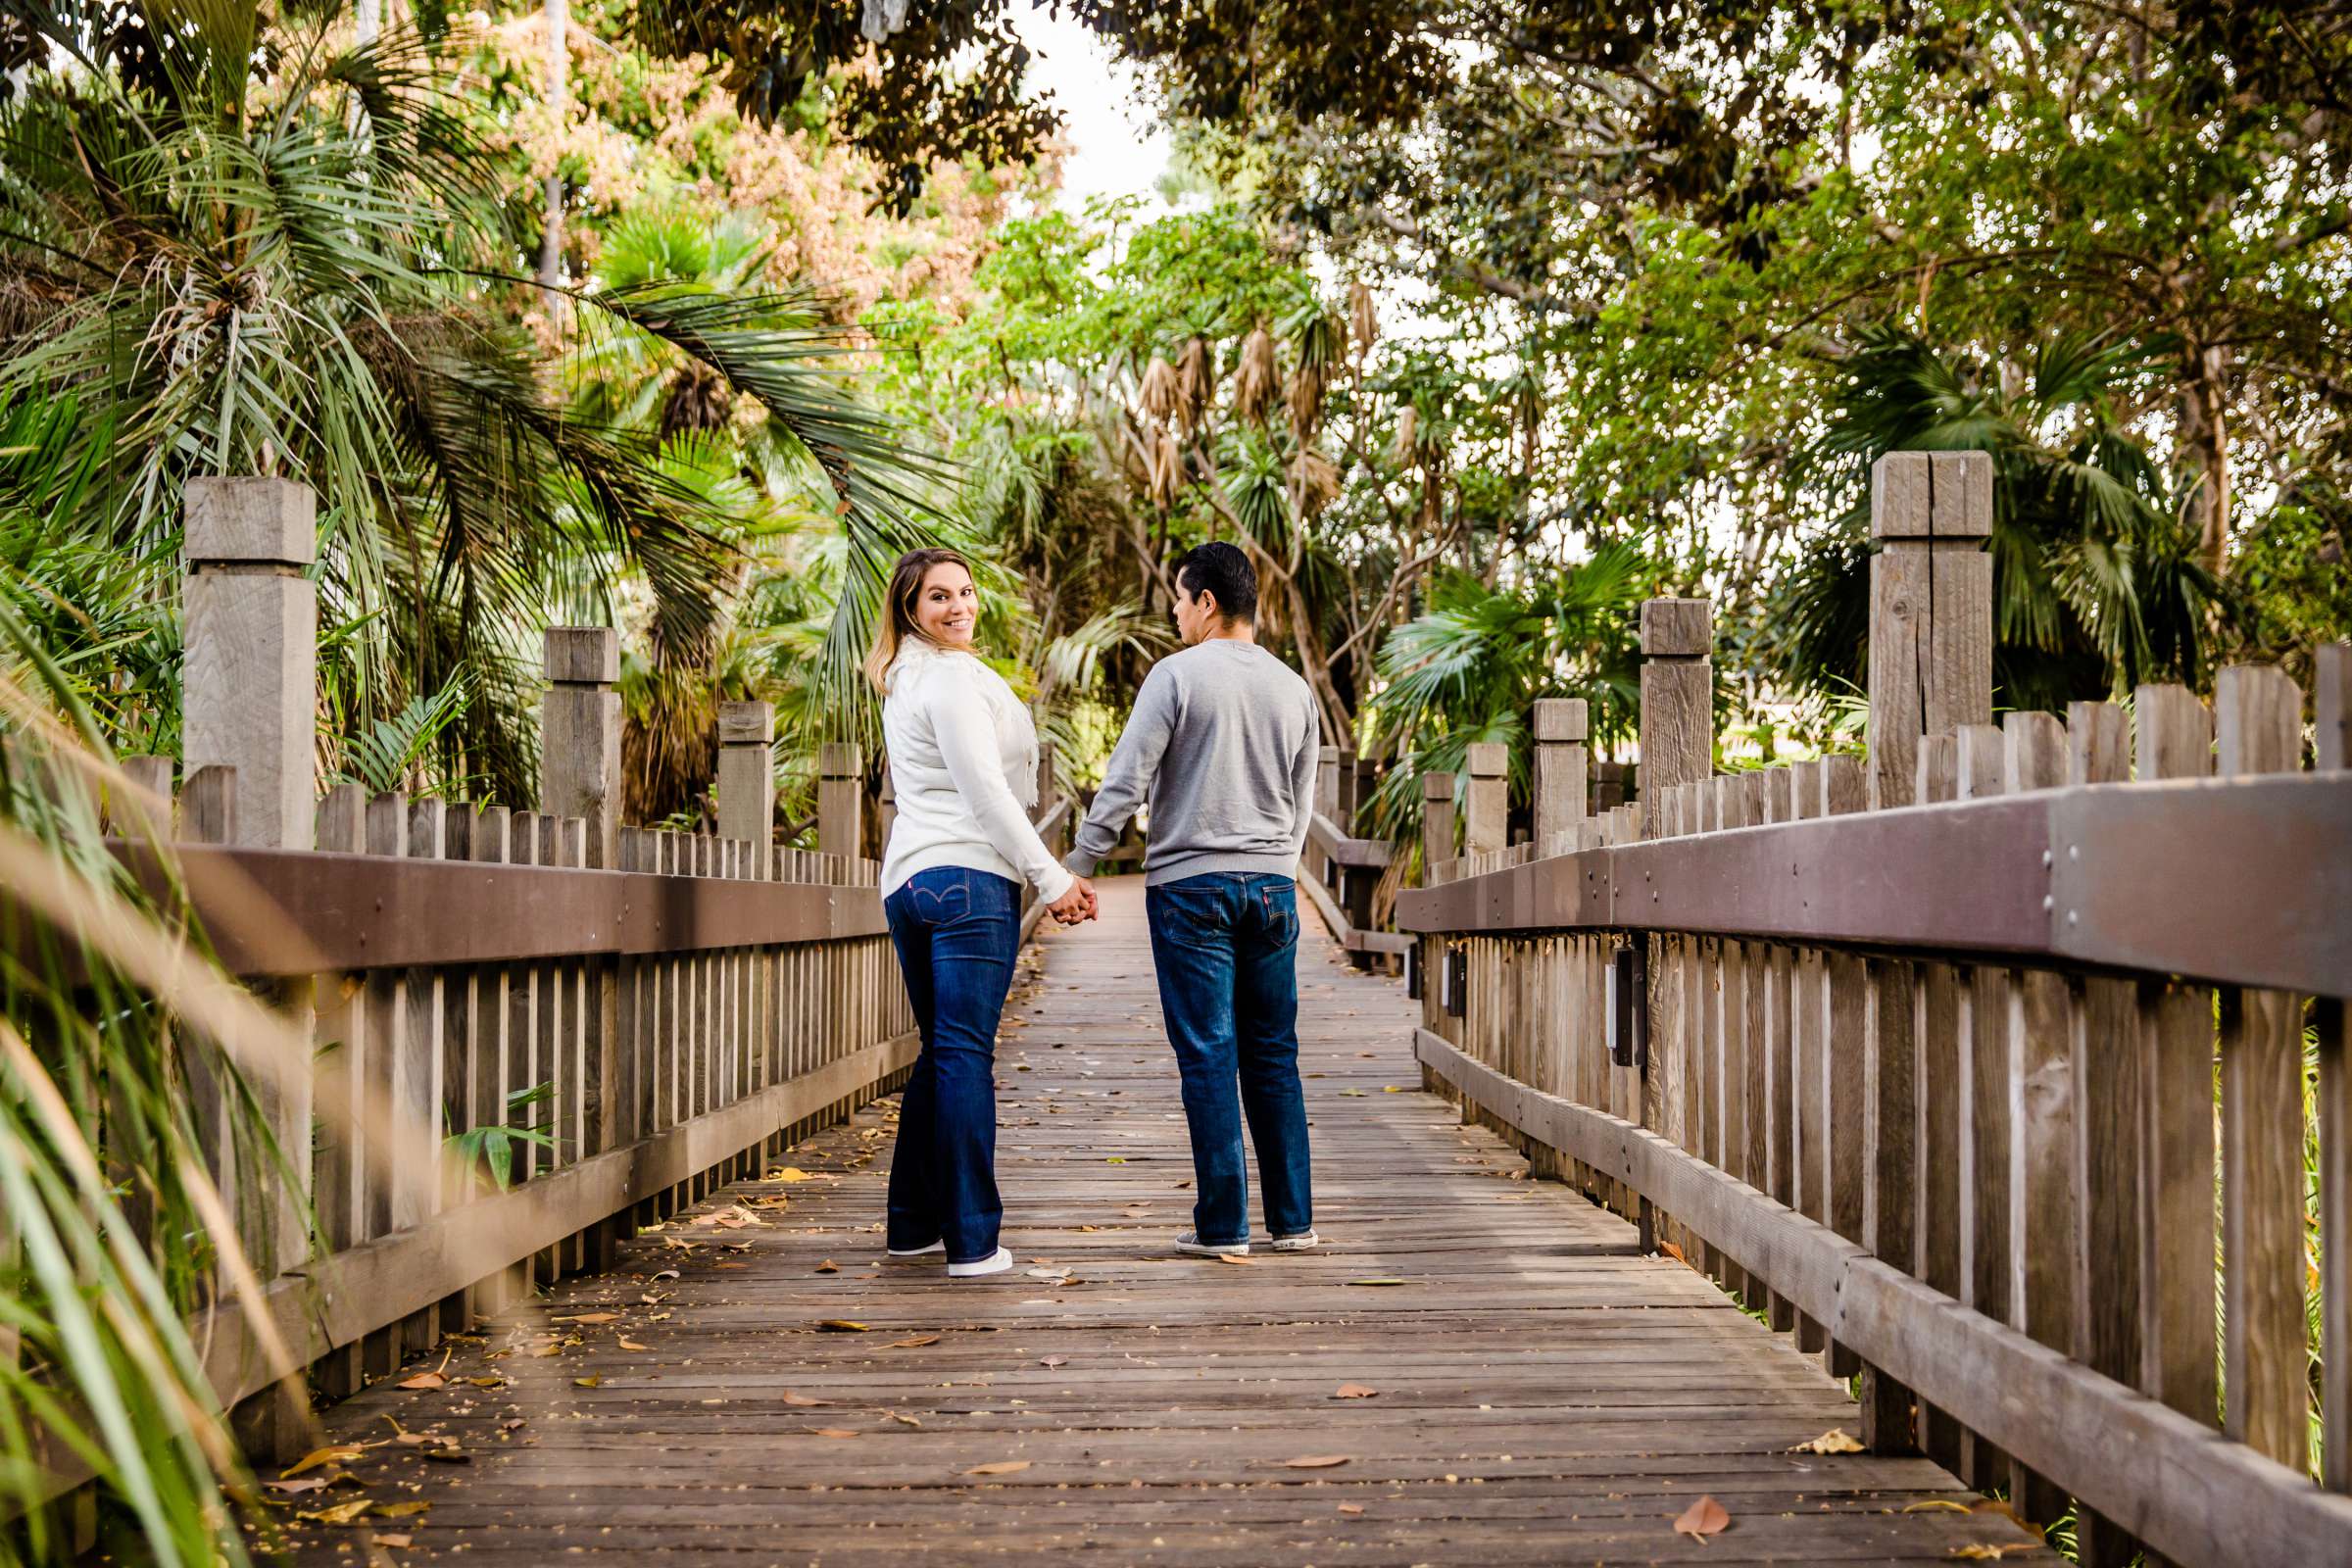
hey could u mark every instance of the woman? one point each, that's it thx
(964, 762)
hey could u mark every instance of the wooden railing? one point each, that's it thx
(1946, 1088)
(1340, 875)
(664, 1008)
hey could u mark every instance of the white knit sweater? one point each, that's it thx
(964, 764)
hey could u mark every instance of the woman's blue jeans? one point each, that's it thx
(1225, 945)
(957, 933)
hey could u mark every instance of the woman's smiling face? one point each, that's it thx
(946, 607)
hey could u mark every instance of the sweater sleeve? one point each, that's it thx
(967, 747)
(1304, 770)
(1127, 777)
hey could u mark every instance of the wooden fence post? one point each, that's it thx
(2332, 725)
(840, 800)
(1678, 715)
(1487, 824)
(1931, 609)
(1437, 825)
(1561, 730)
(746, 790)
(248, 702)
(1327, 781)
(1678, 747)
(579, 736)
(579, 776)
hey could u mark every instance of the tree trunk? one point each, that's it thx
(2205, 452)
(559, 72)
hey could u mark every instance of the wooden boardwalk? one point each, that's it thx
(756, 1385)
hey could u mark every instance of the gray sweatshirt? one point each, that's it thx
(1224, 741)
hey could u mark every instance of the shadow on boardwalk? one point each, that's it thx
(759, 1386)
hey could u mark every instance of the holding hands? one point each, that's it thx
(1076, 907)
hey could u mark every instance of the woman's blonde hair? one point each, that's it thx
(896, 623)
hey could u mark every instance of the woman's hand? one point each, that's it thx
(1076, 907)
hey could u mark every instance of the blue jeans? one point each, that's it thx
(957, 933)
(1225, 946)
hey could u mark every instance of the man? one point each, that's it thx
(1224, 741)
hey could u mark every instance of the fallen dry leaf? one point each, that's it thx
(383, 1540)
(998, 1467)
(1935, 1506)
(1234, 1257)
(801, 1400)
(591, 1380)
(588, 1317)
(833, 1432)
(909, 1345)
(1053, 1360)
(1352, 1507)
(294, 1487)
(1835, 1441)
(839, 1325)
(342, 1513)
(318, 1456)
(1376, 1282)
(1980, 1553)
(1354, 1391)
(903, 1420)
(424, 1380)
(1703, 1518)
(790, 1173)
(632, 1344)
(1315, 1461)
(828, 1266)
(403, 1510)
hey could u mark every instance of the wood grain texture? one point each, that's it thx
(2259, 729)
(1543, 1393)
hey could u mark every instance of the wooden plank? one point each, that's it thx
(1988, 996)
(2040, 1097)
(2260, 714)
(2173, 739)
(1940, 1102)
(1845, 789)
(2331, 727)
(1890, 1142)
(420, 1087)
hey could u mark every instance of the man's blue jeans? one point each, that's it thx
(1226, 946)
(957, 932)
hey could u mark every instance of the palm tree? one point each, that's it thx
(2097, 584)
(1470, 667)
(309, 275)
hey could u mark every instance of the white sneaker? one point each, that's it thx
(997, 1263)
(918, 1251)
(1302, 1242)
(1189, 1242)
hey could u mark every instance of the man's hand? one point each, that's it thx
(1075, 907)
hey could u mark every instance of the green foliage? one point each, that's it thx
(493, 1149)
(2095, 580)
(1470, 669)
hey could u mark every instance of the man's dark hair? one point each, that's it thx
(1222, 570)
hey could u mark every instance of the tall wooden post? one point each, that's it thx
(746, 790)
(250, 672)
(579, 736)
(1487, 824)
(1561, 727)
(1678, 712)
(248, 702)
(1437, 825)
(840, 800)
(1931, 609)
